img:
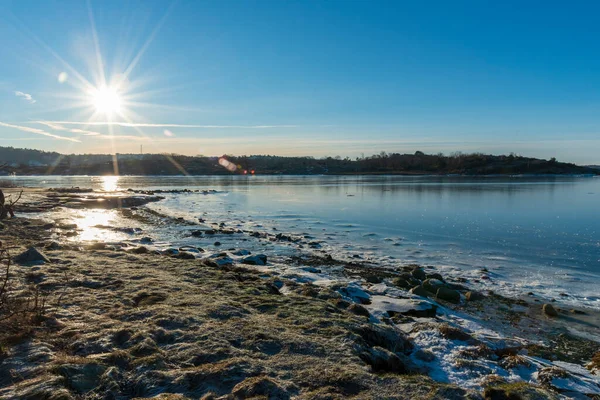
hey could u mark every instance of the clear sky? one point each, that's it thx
(302, 77)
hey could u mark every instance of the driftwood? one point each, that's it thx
(7, 205)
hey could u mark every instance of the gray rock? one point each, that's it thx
(53, 246)
(432, 285)
(186, 255)
(242, 252)
(32, 256)
(258, 259)
(140, 250)
(385, 336)
(474, 296)
(449, 295)
(419, 291)
(402, 283)
(437, 276)
(381, 359)
(549, 310)
(170, 252)
(223, 260)
(358, 310)
(419, 273)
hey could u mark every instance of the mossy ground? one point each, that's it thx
(119, 325)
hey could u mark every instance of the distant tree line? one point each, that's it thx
(35, 162)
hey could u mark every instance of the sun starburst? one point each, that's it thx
(107, 100)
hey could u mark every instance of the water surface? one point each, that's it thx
(539, 234)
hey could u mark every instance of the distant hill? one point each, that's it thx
(35, 162)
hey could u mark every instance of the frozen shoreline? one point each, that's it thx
(496, 323)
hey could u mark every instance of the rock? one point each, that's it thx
(242, 253)
(32, 256)
(217, 243)
(419, 273)
(260, 387)
(449, 295)
(170, 252)
(402, 283)
(190, 249)
(359, 310)
(385, 336)
(419, 291)
(222, 260)
(356, 293)
(549, 310)
(197, 233)
(381, 359)
(186, 255)
(432, 285)
(140, 250)
(474, 296)
(146, 240)
(437, 276)
(53, 246)
(258, 259)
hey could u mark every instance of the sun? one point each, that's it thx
(107, 100)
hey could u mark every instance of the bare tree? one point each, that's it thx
(7, 205)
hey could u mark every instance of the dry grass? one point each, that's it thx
(141, 325)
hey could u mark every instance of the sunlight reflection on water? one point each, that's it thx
(110, 183)
(93, 223)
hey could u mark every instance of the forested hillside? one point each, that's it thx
(30, 162)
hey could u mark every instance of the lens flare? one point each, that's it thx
(228, 165)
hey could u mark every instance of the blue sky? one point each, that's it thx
(301, 77)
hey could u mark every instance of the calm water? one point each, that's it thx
(540, 234)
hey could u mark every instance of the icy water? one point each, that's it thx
(539, 234)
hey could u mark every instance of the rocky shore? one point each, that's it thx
(130, 319)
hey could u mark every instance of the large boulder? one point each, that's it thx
(449, 295)
(32, 256)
